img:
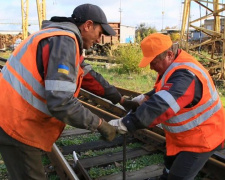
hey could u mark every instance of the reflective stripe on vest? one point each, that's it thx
(192, 65)
(57, 85)
(193, 123)
(185, 116)
(25, 93)
(166, 96)
(86, 69)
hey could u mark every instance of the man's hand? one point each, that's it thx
(140, 99)
(117, 123)
(107, 131)
(128, 104)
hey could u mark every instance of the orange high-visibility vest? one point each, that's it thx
(200, 128)
(23, 110)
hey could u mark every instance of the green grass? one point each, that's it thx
(72, 140)
(223, 100)
(5, 54)
(93, 153)
(3, 170)
(139, 82)
(131, 165)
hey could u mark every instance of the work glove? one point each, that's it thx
(107, 131)
(129, 104)
(140, 99)
(120, 127)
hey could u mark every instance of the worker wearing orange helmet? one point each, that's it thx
(39, 87)
(185, 102)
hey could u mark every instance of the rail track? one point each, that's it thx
(2, 62)
(64, 161)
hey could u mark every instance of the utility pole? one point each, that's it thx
(163, 6)
(120, 10)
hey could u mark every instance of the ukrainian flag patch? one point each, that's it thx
(63, 69)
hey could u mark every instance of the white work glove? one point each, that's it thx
(140, 99)
(117, 123)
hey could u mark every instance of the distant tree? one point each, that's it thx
(175, 37)
(142, 31)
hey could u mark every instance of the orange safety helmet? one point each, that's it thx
(153, 45)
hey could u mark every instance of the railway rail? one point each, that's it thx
(2, 62)
(152, 141)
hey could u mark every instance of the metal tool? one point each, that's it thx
(124, 155)
(125, 152)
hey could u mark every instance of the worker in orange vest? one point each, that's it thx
(39, 87)
(185, 102)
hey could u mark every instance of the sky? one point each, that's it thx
(133, 12)
(154, 13)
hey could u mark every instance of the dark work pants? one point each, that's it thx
(185, 165)
(22, 161)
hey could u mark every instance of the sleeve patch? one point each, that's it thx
(63, 69)
(167, 86)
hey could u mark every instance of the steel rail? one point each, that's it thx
(63, 168)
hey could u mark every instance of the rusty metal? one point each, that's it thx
(213, 37)
(2, 62)
(25, 13)
(101, 113)
(128, 92)
(103, 102)
(64, 170)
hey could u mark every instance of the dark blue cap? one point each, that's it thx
(92, 12)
